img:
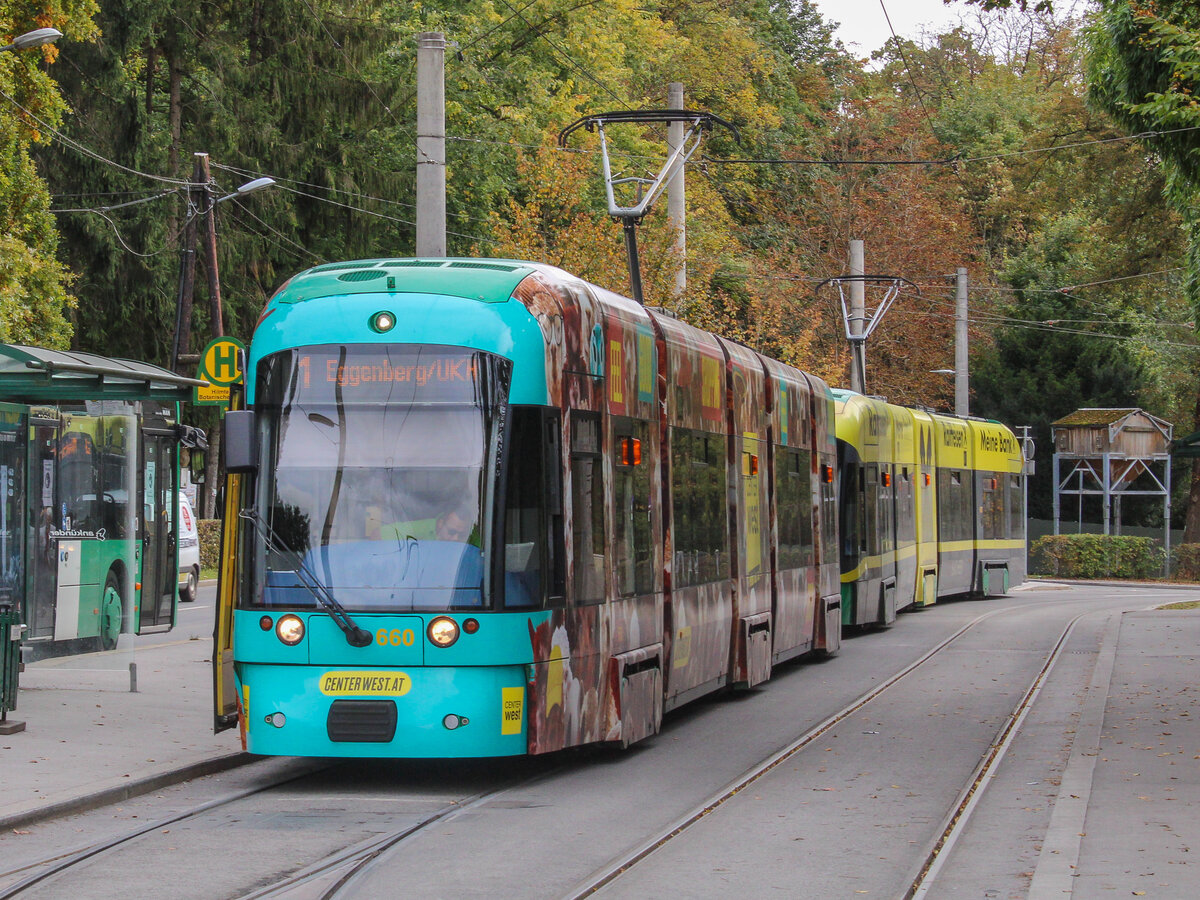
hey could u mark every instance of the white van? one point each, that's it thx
(189, 551)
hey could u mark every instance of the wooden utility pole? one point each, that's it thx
(201, 204)
(196, 193)
(217, 326)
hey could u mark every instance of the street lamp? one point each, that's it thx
(34, 38)
(249, 187)
(202, 206)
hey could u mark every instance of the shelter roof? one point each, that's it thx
(35, 375)
(1095, 417)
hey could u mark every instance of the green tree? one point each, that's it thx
(34, 286)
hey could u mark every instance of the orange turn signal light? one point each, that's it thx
(631, 451)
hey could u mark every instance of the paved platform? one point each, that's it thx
(89, 740)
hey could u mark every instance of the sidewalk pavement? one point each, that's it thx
(89, 741)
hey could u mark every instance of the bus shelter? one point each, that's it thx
(89, 467)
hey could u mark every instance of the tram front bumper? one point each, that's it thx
(414, 712)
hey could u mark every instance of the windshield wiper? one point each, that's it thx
(355, 636)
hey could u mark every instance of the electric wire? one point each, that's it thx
(87, 151)
(108, 209)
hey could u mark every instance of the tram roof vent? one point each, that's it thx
(494, 267)
(339, 267)
(362, 275)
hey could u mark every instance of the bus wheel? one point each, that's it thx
(111, 612)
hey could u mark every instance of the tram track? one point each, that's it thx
(926, 871)
(341, 869)
(61, 862)
(324, 879)
(960, 815)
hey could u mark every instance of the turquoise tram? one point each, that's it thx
(483, 508)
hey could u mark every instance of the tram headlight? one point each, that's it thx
(442, 631)
(383, 322)
(290, 630)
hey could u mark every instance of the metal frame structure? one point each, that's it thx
(646, 190)
(1111, 475)
(860, 327)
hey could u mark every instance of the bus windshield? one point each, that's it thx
(378, 475)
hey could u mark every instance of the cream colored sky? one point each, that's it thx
(863, 22)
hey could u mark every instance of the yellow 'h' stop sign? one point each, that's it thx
(220, 366)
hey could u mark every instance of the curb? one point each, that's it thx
(1085, 582)
(125, 791)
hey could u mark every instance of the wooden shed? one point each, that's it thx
(1111, 453)
(1132, 433)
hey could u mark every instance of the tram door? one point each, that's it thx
(41, 506)
(159, 556)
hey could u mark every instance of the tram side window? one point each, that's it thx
(906, 516)
(991, 507)
(927, 508)
(699, 508)
(955, 519)
(887, 509)
(869, 477)
(1016, 507)
(532, 533)
(794, 508)
(851, 510)
(587, 507)
(634, 550)
(829, 509)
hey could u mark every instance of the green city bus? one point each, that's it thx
(102, 507)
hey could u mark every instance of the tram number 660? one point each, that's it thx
(396, 637)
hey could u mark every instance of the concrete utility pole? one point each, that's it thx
(961, 394)
(858, 317)
(676, 204)
(431, 144)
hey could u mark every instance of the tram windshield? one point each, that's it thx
(378, 476)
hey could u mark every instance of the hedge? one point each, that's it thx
(1185, 561)
(209, 531)
(1096, 556)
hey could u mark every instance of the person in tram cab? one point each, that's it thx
(455, 525)
(442, 508)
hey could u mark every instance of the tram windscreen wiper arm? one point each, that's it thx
(355, 636)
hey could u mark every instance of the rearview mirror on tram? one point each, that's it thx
(238, 442)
